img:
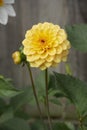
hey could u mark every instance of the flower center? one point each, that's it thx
(42, 41)
(1, 2)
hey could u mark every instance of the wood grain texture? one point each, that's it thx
(78, 59)
(31, 12)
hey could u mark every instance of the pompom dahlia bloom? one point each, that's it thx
(46, 45)
(6, 10)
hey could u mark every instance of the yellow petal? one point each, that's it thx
(59, 39)
(57, 59)
(68, 44)
(40, 51)
(64, 46)
(28, 34)
(54, 64)
(65, 53)
(52, 51)
(44, 55)
(33, 64)
(57, 27)
(62, 33)
(61, 36)
(39, 62)
(64, 59)
(43, 67)
(49, 58)
(32, 51)
(55, 44)
(25, 42)
(28, 51)
(32, 58)
(48, 64)
(59, 50)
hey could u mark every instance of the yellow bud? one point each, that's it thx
(16, 57)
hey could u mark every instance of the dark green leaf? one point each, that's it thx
(22, 114)
(41, 86)
(60, 126)
(38, 125)
(55, 101)
(77, 35)
(53, 88)
(15, 124)
(84, 121)
(2, 105)
(7, 89)
(40, 83)
(70, 125)
(75, 90)
(25, 97)
(8, 114)
(83, 128)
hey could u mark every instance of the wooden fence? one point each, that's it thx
(31, 12)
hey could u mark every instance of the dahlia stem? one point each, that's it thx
(34, 91)
(81, 125)
(47, 100)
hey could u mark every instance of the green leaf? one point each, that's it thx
(2, 105)
(77, 35)
(68, 69)
(25, 97)
(79, 128)
(15, 124)
(53, 89)
(75, 90)
(55, 101)
(22, 114)
(38, 125)
(70, 125)
(7, 89)
(8, 114)
(60, 126)
(41, 86)
(84, 121)
(41, 90)
(40, 83)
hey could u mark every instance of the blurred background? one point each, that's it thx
(30, 12)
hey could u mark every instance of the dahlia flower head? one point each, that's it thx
(46, 45)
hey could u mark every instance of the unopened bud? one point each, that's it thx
(16, 57)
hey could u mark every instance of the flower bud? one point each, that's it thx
(16, 57)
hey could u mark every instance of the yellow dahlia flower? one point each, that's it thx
(16, 57)
(45, 45)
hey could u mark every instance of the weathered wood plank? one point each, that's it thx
(78, 59)
(31, 12)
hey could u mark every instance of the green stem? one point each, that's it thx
(81, 125)
(34, 91)
(47, 101)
